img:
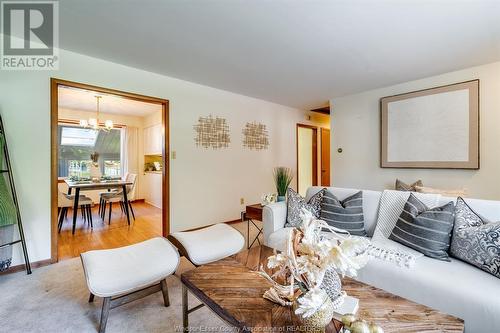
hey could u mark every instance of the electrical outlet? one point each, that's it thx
(174, 154)
(242, 201)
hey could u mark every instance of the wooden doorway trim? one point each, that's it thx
(54, 114)
(314, 153)
(325, 157)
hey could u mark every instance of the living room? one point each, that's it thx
(237, 81)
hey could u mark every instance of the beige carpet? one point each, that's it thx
(55, 299)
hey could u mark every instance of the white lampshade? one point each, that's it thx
(108, 124)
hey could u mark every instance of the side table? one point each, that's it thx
(251, 214)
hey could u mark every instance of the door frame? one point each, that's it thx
(314, 152)
(54, 117)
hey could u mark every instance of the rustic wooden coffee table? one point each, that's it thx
(233, 290)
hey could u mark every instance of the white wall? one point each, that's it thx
(355, 124)
(206, 185)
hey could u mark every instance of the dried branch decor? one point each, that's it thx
(212, 132)
(255, 136)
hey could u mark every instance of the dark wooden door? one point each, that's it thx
(325, 157)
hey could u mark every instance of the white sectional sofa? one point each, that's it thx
(455, 287)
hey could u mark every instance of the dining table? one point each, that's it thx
(89, 185)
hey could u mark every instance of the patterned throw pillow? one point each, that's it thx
(425, 230)
(295, 203)
(476, 240)
(346, 214)
(402, 186)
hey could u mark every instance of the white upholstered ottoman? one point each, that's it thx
(128, 273)
(208, 244)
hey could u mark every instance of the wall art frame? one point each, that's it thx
(435, 128)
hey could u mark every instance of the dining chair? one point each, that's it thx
(65, 201)
(111, 197)
(112, 190)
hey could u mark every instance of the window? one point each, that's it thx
(112, 168)
(79, 168)
(74, 136)
(76, 144)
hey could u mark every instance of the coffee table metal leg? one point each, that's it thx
(185, 313)
(248, 233)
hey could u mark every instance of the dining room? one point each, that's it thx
(111, 170)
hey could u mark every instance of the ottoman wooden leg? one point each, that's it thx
(104, 314)
(91, 298)
(164, 291)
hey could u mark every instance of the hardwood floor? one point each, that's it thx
(104, 236)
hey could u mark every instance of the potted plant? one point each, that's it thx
(282, 178)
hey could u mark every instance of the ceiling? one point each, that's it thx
(85, 100)
(296, 53)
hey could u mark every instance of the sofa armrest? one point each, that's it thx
(273, 218)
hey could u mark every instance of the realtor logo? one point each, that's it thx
(30, 35)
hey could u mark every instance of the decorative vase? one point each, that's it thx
(95, 172)
(318, 321)
(332, 284)
(280, 198)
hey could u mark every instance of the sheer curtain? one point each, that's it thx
(129, 151)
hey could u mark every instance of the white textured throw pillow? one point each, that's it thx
(391, 206)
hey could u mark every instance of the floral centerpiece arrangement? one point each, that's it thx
(267, 199)
(306, 275)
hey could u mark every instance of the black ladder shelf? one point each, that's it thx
(8, 171)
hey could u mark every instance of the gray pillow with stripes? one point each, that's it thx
(346, 214)
(425, 230)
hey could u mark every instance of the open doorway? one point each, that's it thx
(307, 157)
(110, 170)
(313, 152)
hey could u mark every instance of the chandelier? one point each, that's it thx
(94, 123)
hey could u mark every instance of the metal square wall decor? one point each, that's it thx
(212, 132)
(255, 136)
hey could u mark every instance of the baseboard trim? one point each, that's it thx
(150, 203)
(19, 268)
(233, 221)
(211, 224)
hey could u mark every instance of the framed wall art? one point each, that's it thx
(431, 128)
